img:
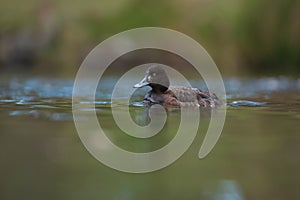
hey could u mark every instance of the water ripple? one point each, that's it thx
(52, 98)
(246, 103)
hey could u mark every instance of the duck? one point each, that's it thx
(173, 96)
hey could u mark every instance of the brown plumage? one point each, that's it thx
(162, 93)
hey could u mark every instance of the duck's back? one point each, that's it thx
(188, 95)
(184, 94)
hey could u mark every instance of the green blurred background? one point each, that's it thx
(260, 37)
(257, 155)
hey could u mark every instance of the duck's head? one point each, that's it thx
(156, 78)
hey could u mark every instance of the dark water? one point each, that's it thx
(256, 157)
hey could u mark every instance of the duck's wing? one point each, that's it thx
(185, 94)
(202, 97)
(207, 99)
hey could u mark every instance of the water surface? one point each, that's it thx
(256, 157)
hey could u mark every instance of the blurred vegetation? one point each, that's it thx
(242, 36)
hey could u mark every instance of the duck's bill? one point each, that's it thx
(143, 83)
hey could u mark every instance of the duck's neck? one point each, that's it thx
(158, 88)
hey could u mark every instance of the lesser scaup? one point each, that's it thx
(163, 93)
